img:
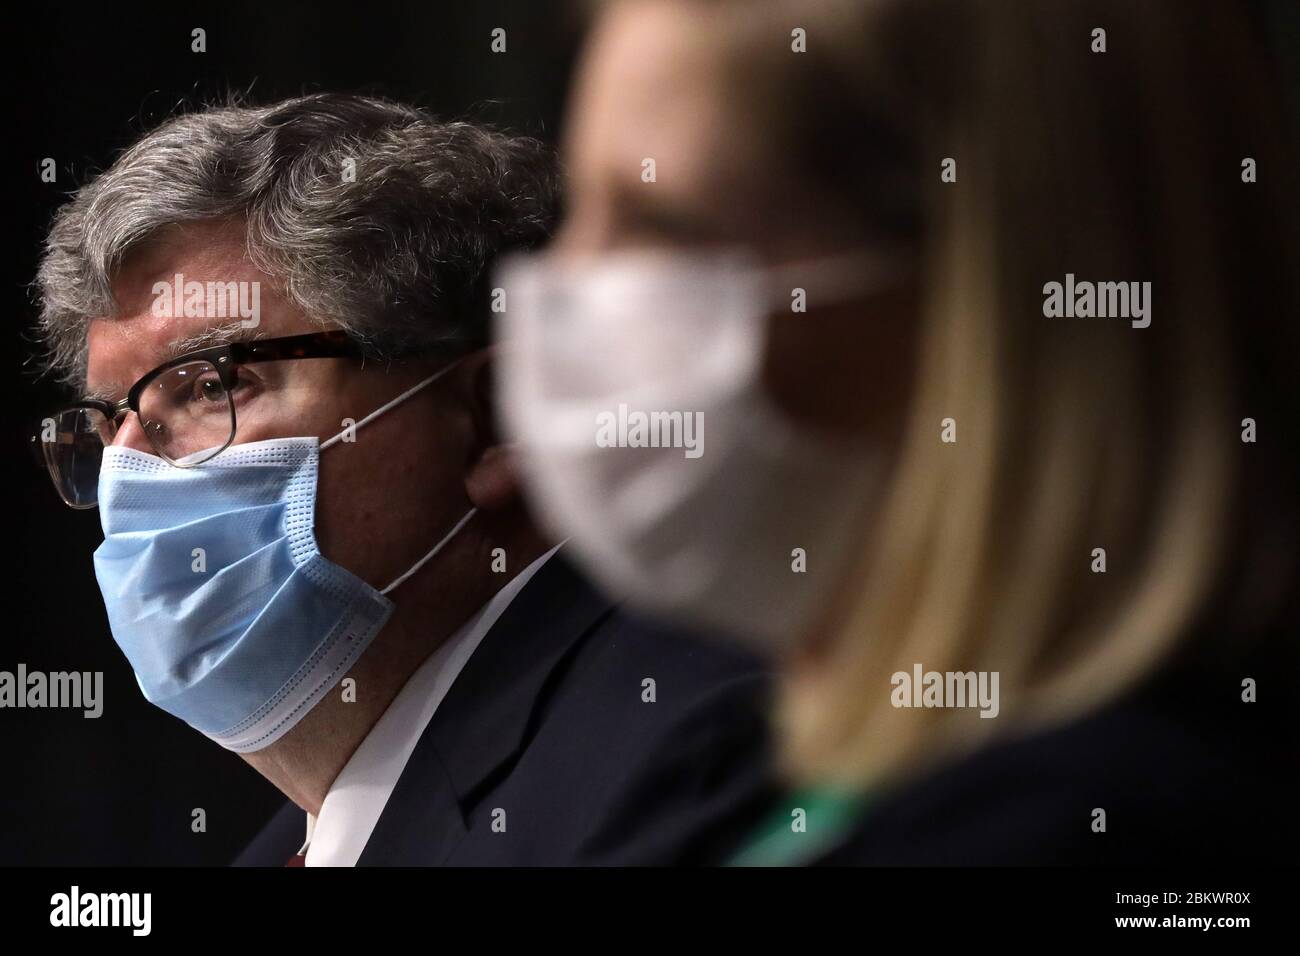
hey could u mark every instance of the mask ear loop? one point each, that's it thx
(397, 401)
(371, 417)
(436, 548)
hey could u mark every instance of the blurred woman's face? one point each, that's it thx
(674, 290)
(651, 97)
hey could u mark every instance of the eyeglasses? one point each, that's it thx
(185, 406)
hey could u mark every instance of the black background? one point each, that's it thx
(121, 789)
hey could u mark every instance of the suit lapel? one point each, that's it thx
(484, 721)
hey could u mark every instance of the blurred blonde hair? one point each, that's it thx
(1072, 433)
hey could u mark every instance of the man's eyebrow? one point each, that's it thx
(104, 393)
(215, 335)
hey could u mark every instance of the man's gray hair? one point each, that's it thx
(399, 255)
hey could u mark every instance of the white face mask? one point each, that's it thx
(744, 522)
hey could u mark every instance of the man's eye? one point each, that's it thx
(208, 390)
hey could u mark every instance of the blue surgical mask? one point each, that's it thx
(217, 592)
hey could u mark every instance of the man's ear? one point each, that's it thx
(491, 480)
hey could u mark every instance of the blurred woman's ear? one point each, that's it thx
(857, 373)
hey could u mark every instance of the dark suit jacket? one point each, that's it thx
(1187, 773)
(547, 723)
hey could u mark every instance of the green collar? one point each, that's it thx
(805, 825)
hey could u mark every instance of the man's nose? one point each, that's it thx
(131, 434)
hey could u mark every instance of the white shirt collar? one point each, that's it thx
(358, 795)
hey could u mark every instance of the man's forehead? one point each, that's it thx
(201, 252)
